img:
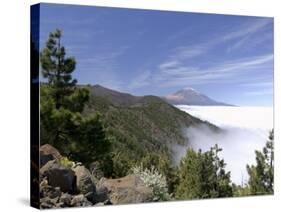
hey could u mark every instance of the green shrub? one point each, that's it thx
(64, 161)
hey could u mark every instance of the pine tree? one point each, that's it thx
(262, 174)
(57, 69)
(61, 103)
(203, 175)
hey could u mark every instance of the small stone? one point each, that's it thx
(86, 203)
(99, 204)
(77, 200)
(45, 205)
(60, 205)
(55, 193)
(54, 201)
(90, 196)
(107, 202)
(101, 194)
(65, 199)
(46, 202)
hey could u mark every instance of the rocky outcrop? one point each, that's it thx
(47, 153)
(129, 189)
(59, 176)
(61, 186)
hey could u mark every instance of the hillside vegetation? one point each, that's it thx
(141, 125)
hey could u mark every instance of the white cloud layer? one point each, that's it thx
(245, 130)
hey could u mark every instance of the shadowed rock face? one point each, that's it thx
(59, 176)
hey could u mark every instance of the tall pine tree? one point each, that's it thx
(203, 175)
(57, 69)
(61, 103)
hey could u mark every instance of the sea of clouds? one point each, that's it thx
(245, 129)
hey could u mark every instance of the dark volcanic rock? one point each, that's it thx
(59, 176)
(101, 194)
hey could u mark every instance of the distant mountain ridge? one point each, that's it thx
(141, 124)
(189, 96)
(115, 97)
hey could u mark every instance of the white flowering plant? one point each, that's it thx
(153, 179)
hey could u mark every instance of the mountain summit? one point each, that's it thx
(189, 96)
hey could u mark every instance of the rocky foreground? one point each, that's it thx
(74, 185)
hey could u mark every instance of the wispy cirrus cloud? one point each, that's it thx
(246, 29)
(225, 70)
(141, 80)
(177, 71)
(258, 84)
(102, 68)
(187, 52)
(236, 38)
(247, 35)
(259, 92)
(258, 88)
(178, 74)
(100, 61)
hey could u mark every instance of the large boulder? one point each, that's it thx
(47, 153)
(84, 182)
(59, 176)
(129, 189)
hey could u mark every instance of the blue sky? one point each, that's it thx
(228, 58)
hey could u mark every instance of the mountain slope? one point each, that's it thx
(189, 96)
(141, 124)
